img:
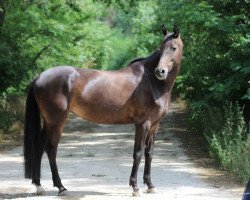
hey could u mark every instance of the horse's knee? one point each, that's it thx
(137, 156)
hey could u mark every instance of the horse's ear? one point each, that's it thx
(164, 30)
(176, 31)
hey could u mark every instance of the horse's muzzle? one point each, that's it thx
(161, 73)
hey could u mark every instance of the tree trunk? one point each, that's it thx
(2, 12)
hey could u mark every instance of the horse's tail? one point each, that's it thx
(33, 137)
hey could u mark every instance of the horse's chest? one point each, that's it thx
(160, 107)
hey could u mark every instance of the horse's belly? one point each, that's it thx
(104, 100)
(102, 115)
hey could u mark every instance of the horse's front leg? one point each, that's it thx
(149, 150)
(140, 137)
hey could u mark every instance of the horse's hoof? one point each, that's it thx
(63, 192)
(40, 191)
(137, 193)
(151, 190)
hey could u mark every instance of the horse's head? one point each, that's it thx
(170, 51)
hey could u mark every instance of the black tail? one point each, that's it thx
(33, 137)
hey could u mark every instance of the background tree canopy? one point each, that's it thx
(106, 34)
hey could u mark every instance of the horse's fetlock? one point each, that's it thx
(133, 182)
(146, 179)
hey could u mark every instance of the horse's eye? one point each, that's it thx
(173, 48)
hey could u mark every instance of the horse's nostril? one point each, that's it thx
(162, 71)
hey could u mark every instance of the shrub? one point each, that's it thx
(11, 111)
(226, 133)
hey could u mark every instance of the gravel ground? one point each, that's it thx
(95, 162)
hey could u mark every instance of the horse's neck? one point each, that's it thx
(172, 77)
(152, 61)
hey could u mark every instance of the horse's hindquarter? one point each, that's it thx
(105, 96)
(52, 91)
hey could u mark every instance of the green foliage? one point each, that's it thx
(120, 52)
(10, 112)
(36, 35)
(226, 133)
(145, 24)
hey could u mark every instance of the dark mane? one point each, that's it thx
(140, 59)
(135, 60)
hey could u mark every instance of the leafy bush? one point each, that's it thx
(226, 133)
(11, 112)
(120, 51)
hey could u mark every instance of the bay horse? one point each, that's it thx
(139, 93)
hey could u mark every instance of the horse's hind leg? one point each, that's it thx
(36, 181)
(54, 131)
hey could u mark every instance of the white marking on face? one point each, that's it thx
(167, 61)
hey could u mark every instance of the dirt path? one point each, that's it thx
(95, 163)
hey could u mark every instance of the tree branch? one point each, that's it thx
(38, 55)
(32, 34)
